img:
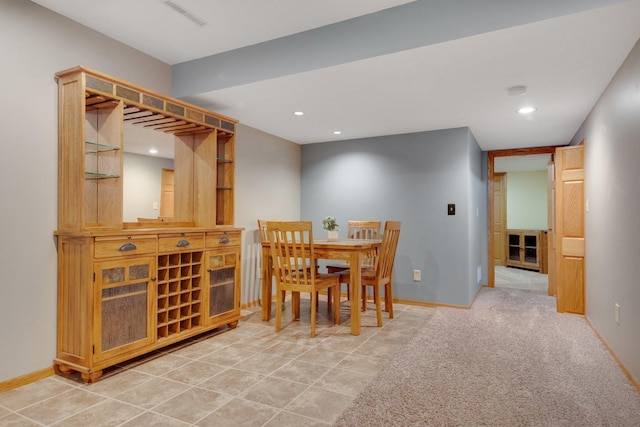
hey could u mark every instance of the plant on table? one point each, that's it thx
(330, 224)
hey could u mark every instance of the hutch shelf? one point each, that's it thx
(128, 288)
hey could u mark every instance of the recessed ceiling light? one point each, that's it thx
(337, 132)
(527, 110)
(153, 151)
(298, 113)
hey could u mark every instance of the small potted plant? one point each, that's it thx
(330, 224)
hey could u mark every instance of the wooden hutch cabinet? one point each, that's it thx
(127, 288)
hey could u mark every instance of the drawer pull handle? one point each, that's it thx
(224, 240)
(128, 247)
(182, 243)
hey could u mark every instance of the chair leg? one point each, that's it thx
(376, 298)
(329, 299)
(363, 291)
(388, 299)
(279, 302)
(295, 305)
(314, 299)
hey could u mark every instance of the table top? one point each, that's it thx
(344, 243)
(348, 243)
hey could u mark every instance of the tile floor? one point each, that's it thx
(248, 376)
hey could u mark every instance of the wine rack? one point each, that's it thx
(179, 293)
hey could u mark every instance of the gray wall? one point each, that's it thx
(612, 143)
(410, 178)
(267, 186)
(35, 43)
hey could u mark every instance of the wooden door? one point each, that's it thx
(570, 239)
(166, 193)
(499, 218)
(551, 235)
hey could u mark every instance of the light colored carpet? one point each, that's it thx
(510, 360)
(518, 278)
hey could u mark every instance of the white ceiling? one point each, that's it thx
(566, 62)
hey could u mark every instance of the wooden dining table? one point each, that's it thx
(352, 250)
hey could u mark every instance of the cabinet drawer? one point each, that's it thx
(111, 247)
(220, 239)
(180, 242)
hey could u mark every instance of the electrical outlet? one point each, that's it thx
(617, 313)
(417, 275)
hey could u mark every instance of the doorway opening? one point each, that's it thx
(518, 248)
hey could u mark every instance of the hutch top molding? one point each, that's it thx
(93, 108)
(144, 106)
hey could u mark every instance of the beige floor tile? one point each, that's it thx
(377, 348)
(239, 413)
(344, 381)
(31, 393)
(152, 393)
(192, 405)
(287, 349)
(258, 343)
(227, 356)
(161, 365)
(16, 420)
(321, 356)
(116, 384)
(104, 414)
(198, 349)
(194, 383)
(320, 404)
(302, 372)
(263, 363)
(61, 406)
(232, 381)
(194, 373)
(155, 420)
(344, 341)
(289, 419)
(362, 364)
(274, 392)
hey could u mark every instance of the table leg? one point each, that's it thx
(354, 284)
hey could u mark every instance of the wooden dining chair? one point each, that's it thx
(359, 230)
(380, 276)
(266, 252)
(291, 244)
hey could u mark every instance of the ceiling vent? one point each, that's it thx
(182, 11)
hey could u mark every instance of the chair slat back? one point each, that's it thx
(291, 245)
(387, 253)
(365, 230)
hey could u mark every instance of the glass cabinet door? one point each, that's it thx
(123, 305)
(514, 247)
(531, 249)
(222, 270)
